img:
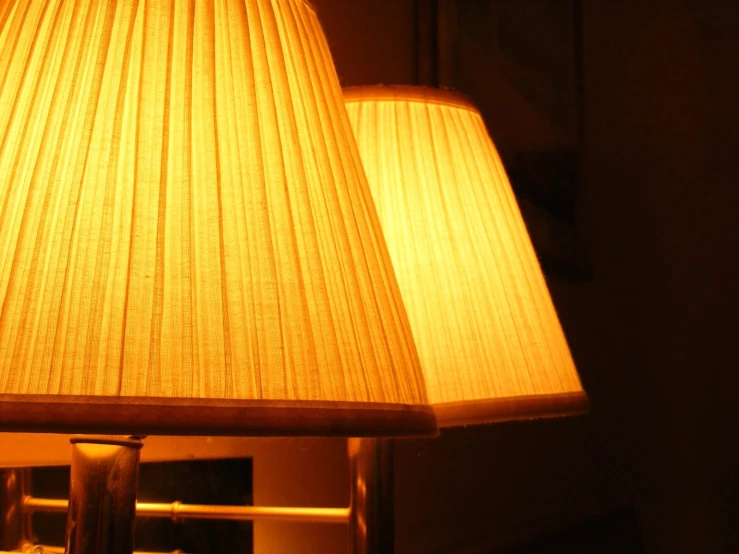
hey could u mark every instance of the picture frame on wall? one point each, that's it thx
(519, 63)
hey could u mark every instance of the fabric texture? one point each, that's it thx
(489, 339)
(183, 211)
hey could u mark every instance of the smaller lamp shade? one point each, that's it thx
(490, 343)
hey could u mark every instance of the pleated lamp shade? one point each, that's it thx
(489, 339)
(188, 244)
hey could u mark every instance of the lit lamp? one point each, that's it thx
(187, 242)
(489, 340)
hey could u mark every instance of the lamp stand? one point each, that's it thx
(102, 494)
(14, 523)
(372, 516)
(102, 500)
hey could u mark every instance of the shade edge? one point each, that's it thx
(408, 93)
(196, 417)
(476, 412)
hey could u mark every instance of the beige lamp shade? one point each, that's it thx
(490, 343)
(187, 241)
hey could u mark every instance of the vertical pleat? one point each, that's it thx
(478, 305)
(183, 211)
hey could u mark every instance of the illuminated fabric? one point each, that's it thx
(490, 343)
(184, 221)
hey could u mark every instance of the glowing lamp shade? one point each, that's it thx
(490, 343)
(188, 244)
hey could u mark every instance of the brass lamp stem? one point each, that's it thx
(102, 494)
(372, 519)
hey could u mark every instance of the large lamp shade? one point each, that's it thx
(489, 339)
(188, 244)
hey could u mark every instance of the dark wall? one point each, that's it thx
(371, 41)
(655, 332)
(657, 211)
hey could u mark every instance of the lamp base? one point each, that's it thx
(104, 481)
(15, 526)
(372, 519)
(102, 494)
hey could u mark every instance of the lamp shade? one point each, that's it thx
(187, 241)
(489, 339)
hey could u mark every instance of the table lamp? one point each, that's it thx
(188, 245)
(488, 336)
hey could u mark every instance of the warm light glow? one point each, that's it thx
(41, 449)
(489, 340)
(183, 215)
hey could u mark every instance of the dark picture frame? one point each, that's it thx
(520, 64)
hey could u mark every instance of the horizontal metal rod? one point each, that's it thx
(177, 510)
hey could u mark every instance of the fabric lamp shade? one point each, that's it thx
(489, 339)
(188, 245)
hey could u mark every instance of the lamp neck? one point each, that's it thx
(102, 494)
(372, 519)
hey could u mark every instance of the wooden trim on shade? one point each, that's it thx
(475, 412)
(211, 417)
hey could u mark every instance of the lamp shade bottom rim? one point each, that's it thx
(212, 417)
(476, 412)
